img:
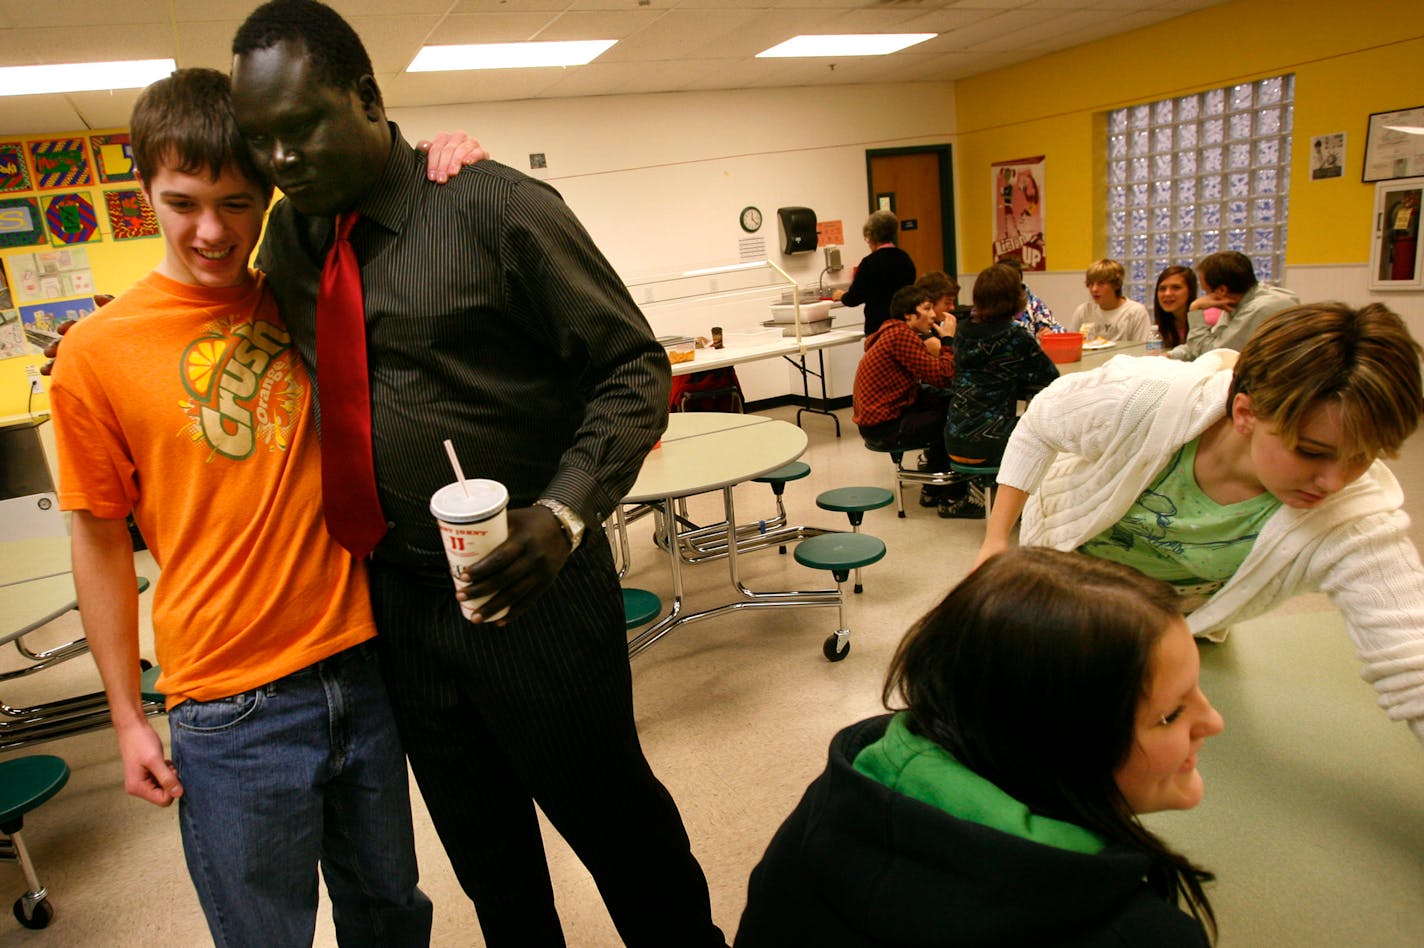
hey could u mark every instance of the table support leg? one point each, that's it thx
(750, 599)
(806, 390)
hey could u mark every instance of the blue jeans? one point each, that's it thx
(303, 770)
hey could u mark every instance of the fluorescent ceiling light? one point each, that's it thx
(83, 77)
(844, 44)
(508, 55)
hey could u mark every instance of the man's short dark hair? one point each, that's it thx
(337, 55)
(1228, 269)
(907, 299)
(185, 122)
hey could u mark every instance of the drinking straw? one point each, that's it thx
(455, 463)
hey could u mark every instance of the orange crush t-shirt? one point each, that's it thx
(189, 407)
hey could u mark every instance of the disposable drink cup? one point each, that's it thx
(470, 527)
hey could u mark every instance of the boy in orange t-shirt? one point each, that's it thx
(184, 403)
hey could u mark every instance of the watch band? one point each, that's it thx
(569, 520)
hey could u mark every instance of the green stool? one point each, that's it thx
(639, 607)
(26, 783)
(977, 472)
(840, 553)
(148, 684)
(854, 502)
(777, 479)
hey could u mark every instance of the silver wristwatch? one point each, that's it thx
(569, 520)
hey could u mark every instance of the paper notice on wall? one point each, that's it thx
(830, 234)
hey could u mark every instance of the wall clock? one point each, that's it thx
(751, 219)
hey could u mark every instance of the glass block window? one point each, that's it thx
(1197, 174)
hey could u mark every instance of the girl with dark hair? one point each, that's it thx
(1176, 289)
(996, 365)
(1047, 700)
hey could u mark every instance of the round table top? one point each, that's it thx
(702, 451)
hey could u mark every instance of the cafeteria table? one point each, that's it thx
(707, 451)
(37, 587)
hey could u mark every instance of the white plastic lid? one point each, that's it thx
(486, 498)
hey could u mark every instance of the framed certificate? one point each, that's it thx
(1394, 145)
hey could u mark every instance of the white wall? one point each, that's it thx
(659, 180)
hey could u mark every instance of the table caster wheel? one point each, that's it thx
(40, 915)
(833, 648)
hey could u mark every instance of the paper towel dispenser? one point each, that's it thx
(798, 229)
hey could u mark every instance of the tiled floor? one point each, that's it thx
(1314, 816)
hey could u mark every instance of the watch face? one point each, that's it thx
(751, 219)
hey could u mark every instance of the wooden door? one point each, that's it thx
(912, 182)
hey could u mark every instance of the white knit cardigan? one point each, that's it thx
(1092, 442)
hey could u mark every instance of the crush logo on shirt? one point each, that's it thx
(244, 391)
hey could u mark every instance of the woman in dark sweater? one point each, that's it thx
(1048, 700)
(880, 273)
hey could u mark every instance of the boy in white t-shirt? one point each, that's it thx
(1110, 316)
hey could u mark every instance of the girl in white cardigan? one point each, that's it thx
(1243, 488)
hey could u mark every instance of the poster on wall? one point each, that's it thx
(40, 320)
(60, 163)
(12, 333)
(50, 275)
(14, 174)
(113, 157)
(1327, 156)
(20, 224)
(1018, 212)
(71, 219)
(129, 214)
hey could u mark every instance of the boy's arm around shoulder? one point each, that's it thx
(108, 605)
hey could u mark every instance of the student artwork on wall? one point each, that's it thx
(40, 320)
(60, 163)
(113, 157)
(1018, 211)
(71, 219)
(12, 333)
(50, 275)
(20, 224)
(14, 174)
(129, 214)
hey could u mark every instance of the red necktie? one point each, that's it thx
(348, 474)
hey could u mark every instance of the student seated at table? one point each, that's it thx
(944, 295)
(996, 365)
(1243, 481)
(1229, 285)
(891, 405)
(1035, 316)
(1044, 703)
(1109, 315)
(1172, 298)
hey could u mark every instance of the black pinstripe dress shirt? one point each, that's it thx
(493, 320)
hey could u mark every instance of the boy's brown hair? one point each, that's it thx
(1362, 360)
(185, 122)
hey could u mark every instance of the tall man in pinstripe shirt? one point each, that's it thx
(491, 319)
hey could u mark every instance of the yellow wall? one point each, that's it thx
(1349, 59)
(115, 265)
